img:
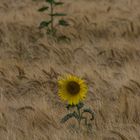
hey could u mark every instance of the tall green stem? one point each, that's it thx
(79, 115)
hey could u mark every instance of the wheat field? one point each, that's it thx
(103, 47)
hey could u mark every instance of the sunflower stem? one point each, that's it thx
(79, 117)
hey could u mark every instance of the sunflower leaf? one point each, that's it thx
(58, 14)
(43, 9)
(63, 23)
(69, 116)
(90, 112)
(44, 24)
(58, 3)
(50, 1)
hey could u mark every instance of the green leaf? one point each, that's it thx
(43, 9)
(63, 23)
(69, 116)
(58, 14)
(44, 24)
(89, 111)
(50, 1)
(58, 3)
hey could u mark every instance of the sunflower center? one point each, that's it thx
(73, 87)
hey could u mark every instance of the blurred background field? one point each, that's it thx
(103, 47)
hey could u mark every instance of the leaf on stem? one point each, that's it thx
(44, 24)
(68, 116)
(43, 9)
(58, 3)
(58, 14)
(50, 1)
(63, 23)
(89, 111)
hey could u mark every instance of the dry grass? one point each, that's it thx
(103, 47)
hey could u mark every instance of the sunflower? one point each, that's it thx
(72, 89)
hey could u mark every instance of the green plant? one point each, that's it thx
(79, 114)
(49, 23)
